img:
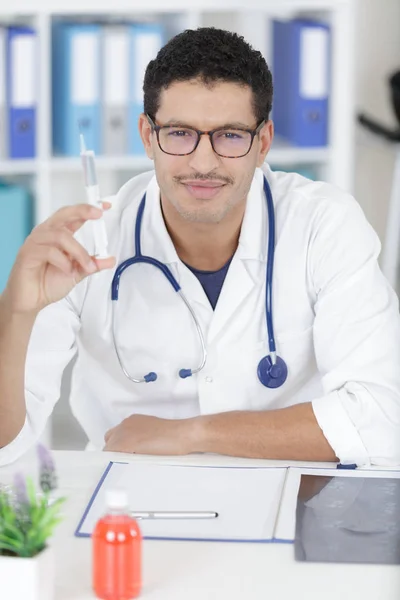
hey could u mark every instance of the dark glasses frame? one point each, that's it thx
(157, 128)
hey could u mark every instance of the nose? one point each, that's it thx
(204, 159)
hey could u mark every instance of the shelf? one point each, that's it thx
(18, 167)
(127, 7)
(281, 154)
(103, 163)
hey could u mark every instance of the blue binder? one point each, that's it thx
(21, 91)
(145, 41)
(76, 87)
(301, 69)
(16, 222)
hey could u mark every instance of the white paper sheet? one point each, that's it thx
(246, 500)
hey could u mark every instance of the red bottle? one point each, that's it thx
(117, 551)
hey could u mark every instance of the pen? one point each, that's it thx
(93, 197)
(173, 514)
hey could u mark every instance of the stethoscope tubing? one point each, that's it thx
(139, 258)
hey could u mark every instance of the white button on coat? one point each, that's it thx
(335, 318)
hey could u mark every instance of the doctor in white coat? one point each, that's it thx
(207, 98)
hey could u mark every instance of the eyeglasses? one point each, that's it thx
(226, 142)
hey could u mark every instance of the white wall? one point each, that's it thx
(377, 49)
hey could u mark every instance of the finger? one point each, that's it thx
(64, 241)
(75, 225)
(68, 214)
(53, 256)
(104, 263)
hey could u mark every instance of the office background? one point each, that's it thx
(366, 51)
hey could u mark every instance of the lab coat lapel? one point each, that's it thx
(237, 285)
(244, 268)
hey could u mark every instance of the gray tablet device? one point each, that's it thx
(348, 520)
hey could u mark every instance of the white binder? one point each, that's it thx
(3, 109)
(115, 89)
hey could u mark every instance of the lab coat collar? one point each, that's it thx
(156, 241)
(253, 237)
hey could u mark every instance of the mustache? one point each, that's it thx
(201, 177)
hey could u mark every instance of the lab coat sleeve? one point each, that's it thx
(356, 339)
(51, 347)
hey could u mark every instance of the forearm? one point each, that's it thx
(288, 434)
(15, 331)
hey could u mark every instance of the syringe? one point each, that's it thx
(93, 197)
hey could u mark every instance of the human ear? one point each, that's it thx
(146, 133)
(265, 136)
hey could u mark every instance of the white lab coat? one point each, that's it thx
(335, 317)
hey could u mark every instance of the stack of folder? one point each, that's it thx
(301, 72)
(97, 80)
(18, 92)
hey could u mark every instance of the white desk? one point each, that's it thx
(202, 570)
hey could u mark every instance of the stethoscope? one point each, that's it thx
(272, 370)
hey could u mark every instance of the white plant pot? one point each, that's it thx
(27, 578)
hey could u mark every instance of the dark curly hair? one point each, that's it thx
(212, 55)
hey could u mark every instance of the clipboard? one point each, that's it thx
(247, 500)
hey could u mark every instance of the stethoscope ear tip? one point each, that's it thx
(184, 373)
(150, 377)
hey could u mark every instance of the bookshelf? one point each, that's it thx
(56, 180)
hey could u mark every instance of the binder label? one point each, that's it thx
(116, 68)
(2, 68)
(85, 69)
(146, 47)
(314, 63)
(23, 67)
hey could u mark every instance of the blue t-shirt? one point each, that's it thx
(212, 281)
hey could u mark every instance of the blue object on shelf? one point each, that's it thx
(22, 75)
(76, 90)
(349, 466)
(16, 222)
(301, 72)
(145, 41)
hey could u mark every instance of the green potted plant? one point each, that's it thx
(28, 517)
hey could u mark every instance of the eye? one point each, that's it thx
(180, 133)
(231, 135)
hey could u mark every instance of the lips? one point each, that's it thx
(203, 189)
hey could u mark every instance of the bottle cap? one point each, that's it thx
(116, 499)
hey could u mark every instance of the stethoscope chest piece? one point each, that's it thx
(272, 375)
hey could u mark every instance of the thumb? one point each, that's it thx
(101, 263)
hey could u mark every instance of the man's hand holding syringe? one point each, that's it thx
(51, 261)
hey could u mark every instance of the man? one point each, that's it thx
(206, 125)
